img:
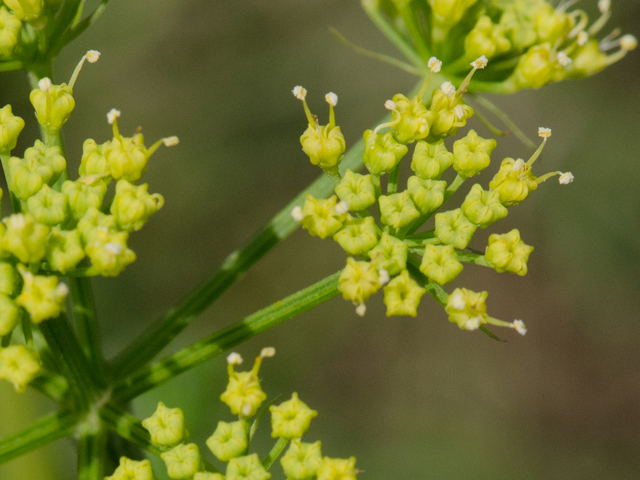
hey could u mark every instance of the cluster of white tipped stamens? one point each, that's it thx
(267, 352)
(520, 327)
(112, 115)
(93, 56)
(234, 359)
(299, 92)
(473, 323)
(480, 62)
(383, 277)
(44, 84)
(544, 132)
(448, 88)
(458, 302)
(342, 207)
(434, 65)
(171, 141)
(361, 309)
(331, 98)
(564, 59)
(296, 213)
(566, 178)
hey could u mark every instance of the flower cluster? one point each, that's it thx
(530, 42)
(382, 256)
(230, 442)
(59, 223)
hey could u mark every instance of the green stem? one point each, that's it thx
(91, 455)
(51, 385)
(46, 430)
(414, 30)
(198, 353)
(392, 184)
(475, 258)
(6, 340)
(275, 452)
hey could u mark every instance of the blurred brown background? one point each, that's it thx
(410, 398)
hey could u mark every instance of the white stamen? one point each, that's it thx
(583, 38)
(171, 141)
(234, 359)
(459, 112)
(112, 115)
(93, 56)
(434, 65)
(480, 62)
(17, 221)
(361, 310)
(604, 6)
(390, 105)
(628, 42)
(448, 88)
(564, 59)
(342, 207)
(566, 178)
(519, 326)
(473, 323)
(268, 352)
(331, 98)
(544, 132)
(246, 410)
(383, 277)
(62, 290)
(518, 166)
(103, 229)
(296, 213)
(44, 84)
(458, 302)
(299, 92)
(113, 248)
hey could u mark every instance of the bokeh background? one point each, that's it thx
(410, 398)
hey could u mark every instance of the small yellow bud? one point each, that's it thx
(183, 461)
(132, 470)
(453, 228)
(402, 296)
(166, 426)
(338, 469)
(431, 160)
(42, 297)
(382, 152)
(24, 238)
(19, 365)
(291, 419)
(64, 250)
(397, 210)
(467, 308)
(244, 394)
(427, 195)
(320, 218)
(246, 468)
(508, 253)
(53, 104)
(358, 281)
(229, 440)
(389, 255)
(302, 460)
(358, 191)
(440, 263)
(358, 236)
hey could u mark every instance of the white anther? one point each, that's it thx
(434, 65)
(299, 92)
(113, 248)
(583, 38)
(296, 213)
(44, 84)
(458, 302)
(246, 410)
(171, 141)
(331, 98)
(17, 221)
(103, 229)
(62, 290)
(93, 56)
(459, 112)
(234, 359)
(383, 277)
(544, 132)
(519, 326)
(342, 207)
(518, 166)
(361, 310)
(566, 178)
(390, 105)
(448, 88)
(564, 59)
(473, 323)
(268, 352)
(112, 115)
(604, 5)
(480, 62)
(628, 42)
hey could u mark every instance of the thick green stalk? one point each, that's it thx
(392, 185)
(275, 452)
(91, 455)
(46, 430)
(187, 358)
(51, 385)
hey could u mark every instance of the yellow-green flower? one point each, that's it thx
(402, 296)
(10, 27)
(440, 263)
(513, 182)
(472, 154)
(132, 470)
(9, 315)
(453, 228)
(244, 394)
(320, 218)
(358, 235)
(467, 308)
(53, 105)
(397, 210)
(357, 190)
(390, 254)
(42, 297)
(382, 152)
(10, 128)
(486, 39)
(246, 468)
(27, 10)
(84, 196)
(93, 223)
(552, 24)
(208, 476)
(483, 207)
(8, 278)
(64, 250)
(48, 206)
(24, 238)
(127, 157)
(537, 67)
(291, 419)
(94, 162)
(133, 205)
(508, 253)
(411, 119)
(229, 440)
(108, 252)
(19, 365)
(427, 195)
(166, 426)
(450, 111)
(431, 160)
(358, 281)
(183, 461)
(302, 460)
(338, 469)
(446, 14)
(41, 165)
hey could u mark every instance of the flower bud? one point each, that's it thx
(108, 251)
(402, 296)
(320, 218)
(133, 205)
(244, 394)
(291, 419)
(453, 228)
(390, 254)
(229, 440)
(27, 10)
(183, 461)
(208, 476)
(64, 250)
(24, 238)
(397, 210)
(518, 22)
(41, 165)
(132, 470)
(427, 195)
(508, 253)
(94, 162)
(513, 182)
(10, 128)
(48, 206)
(166, 426)
(42, 297)
(536, 68)
(127, 157)
(483, 207)
(357, 190)
(247, 467)
(446, 14)
(83, 197)
(10, 27)
(9, 315)
(338, 468)
(467, 308)
(447, 119)
(8, 279)
(472, 154)
(357, 236)
(19, 365)
(302, 460)
(358, 281)
(411, 119)
(53, 106)
(93, 223)
(552, 24)
(382, 152)
(440, 263)
(324, 145)
(431, 160)
(486, 39)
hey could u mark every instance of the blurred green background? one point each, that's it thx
(410, 398)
